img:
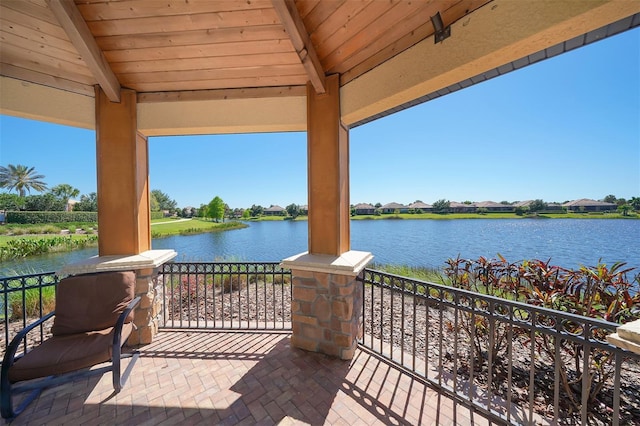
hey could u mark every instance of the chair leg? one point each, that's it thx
(119, 379)
(6, 402)
(6, 398)
(8, 412)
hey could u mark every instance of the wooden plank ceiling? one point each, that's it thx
(224, 46)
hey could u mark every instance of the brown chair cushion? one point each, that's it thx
(92, 302)
(63, 354)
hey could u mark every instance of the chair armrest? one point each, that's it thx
(9, 358)
(117, 332)
(15, 342)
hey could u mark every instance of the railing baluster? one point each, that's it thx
(585, 379)
(556, 380)
(532, 363)
(402, 315)
(413, 331)
(472, 315)
(427, 325)
(455, 345)
(440, 335)
(616, 389)
(509, 364)
(492, 331)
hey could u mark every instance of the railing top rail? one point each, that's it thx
(234, 262)
(22, 277)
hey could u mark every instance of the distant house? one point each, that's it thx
(492, 206)
(522, 203)
(69, 206)
(275, 211)
(364, 208)
(527, 203)
(455, 207)
(392, 207)
(420, 205)
(554, 207)
(587, 205)
(304, 210)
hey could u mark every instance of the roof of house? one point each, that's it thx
(455, 204)
(420, 205)
(274, 208)
(586, 202)
(362, 206)
(490, 204)
(394, 205)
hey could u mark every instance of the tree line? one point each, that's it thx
(23, 180)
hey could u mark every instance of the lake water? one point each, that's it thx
(568, 242)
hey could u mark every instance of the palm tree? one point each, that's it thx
(21, 178)
(64, 191)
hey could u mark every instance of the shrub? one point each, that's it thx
(231, 283)
(50, 217)
(48, 229)
(596, 291)
(31, 306)
(29, 247)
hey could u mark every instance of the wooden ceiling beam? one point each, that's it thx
(293, 24)
(74, 25)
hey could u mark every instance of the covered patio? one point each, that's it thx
(249, 378)
(133, 69)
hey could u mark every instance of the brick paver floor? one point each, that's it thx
(229, 378)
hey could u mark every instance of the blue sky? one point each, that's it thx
(561, 129)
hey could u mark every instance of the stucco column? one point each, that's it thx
(123, 177)
(327, 295)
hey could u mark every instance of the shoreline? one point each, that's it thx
(462, 216)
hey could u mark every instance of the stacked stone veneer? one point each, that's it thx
(326, 312)
(146, 314)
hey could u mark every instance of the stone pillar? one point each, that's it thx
(326, 306)
(327, 297)
(146, 315)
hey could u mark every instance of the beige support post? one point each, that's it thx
(124, 218)
(122, 165)
(327, 295)
(328, 171)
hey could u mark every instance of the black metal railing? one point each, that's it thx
(24, 300)
(514, 362)
(225, 295)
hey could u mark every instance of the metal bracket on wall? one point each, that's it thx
(441, 32)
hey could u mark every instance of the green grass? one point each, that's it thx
(192, 226)
(416, 272)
